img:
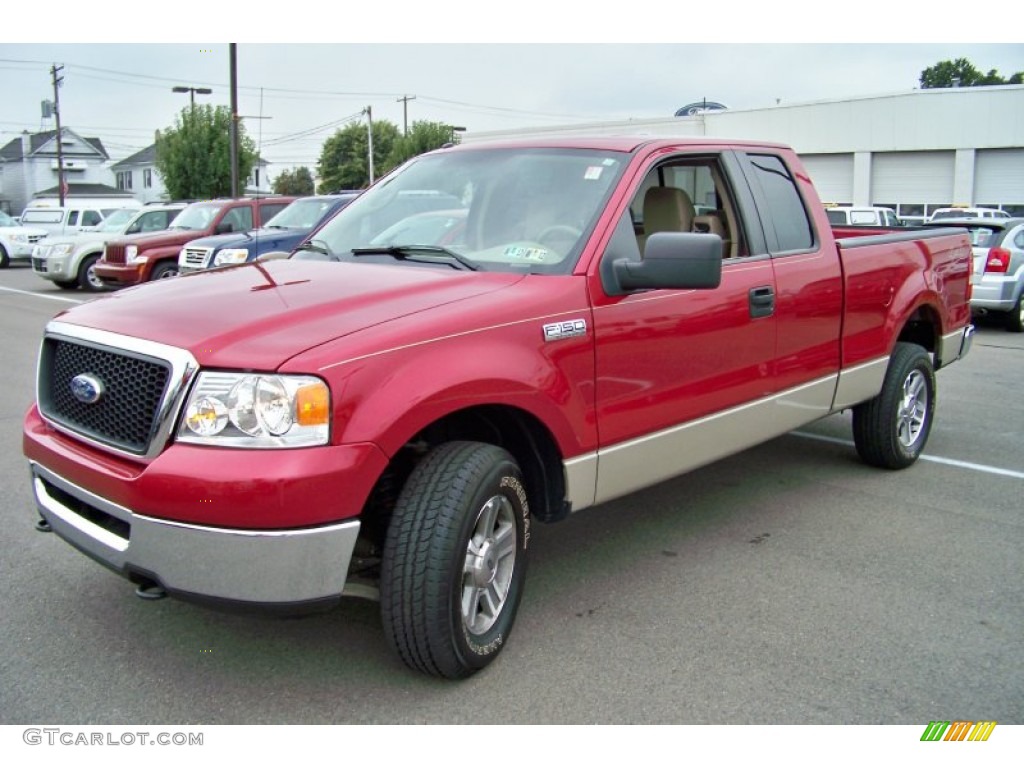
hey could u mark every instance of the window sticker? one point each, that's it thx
(526, 254)
(593, 172)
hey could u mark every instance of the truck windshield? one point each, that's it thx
(522, 210)
(196, 216)
(116, 221)
(301, 214)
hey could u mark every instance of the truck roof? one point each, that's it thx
(615, 143)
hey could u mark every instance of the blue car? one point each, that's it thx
(282, 233)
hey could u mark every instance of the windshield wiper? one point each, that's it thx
(413, 253)
(317, 246)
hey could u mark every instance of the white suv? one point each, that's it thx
(967, 213)
(69, 261)
(16, 242)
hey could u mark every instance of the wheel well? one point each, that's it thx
(922, 328)
(518, 432)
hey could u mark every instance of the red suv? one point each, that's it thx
(138, 258)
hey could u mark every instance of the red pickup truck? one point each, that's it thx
(139, 258)
(389, 415)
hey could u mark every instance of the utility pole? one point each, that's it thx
(369, 132)
(233, 54)
(56, 111)
(405, 113)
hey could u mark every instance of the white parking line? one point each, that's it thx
(44, 296)
(925, 457)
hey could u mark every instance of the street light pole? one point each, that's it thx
(191, 93)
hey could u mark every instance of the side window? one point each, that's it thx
(240, 219)
(1018, 241)
(91, 218)
(687, 195)
(269, 210)
(73, 218)
(784, 208)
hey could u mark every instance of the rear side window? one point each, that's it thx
(784, 209)
(73, 218)
(836, 217)
(269, 210)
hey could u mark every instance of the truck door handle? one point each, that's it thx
(762, 301)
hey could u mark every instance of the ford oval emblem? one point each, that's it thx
(87, 388)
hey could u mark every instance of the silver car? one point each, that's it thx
(998, 274)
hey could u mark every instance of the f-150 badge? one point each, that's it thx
(565, 330)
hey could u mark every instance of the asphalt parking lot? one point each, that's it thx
(787, 584)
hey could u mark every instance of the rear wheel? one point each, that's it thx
(1015, 318)
(455, 559)
(891, 429)
(87, 278)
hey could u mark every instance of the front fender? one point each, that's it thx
(388, 398)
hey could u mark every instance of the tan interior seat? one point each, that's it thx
(666, 209)
(711, 223)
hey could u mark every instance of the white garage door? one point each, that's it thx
(912, 177)
(999, 176)
(832, 176)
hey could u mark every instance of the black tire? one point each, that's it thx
(87, 279)
(455, 559)
(164, 271)
(67, 285)
(890, 430)
(1015, 317)
(5, 260)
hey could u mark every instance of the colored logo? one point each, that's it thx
(86, 388)
(958, 730)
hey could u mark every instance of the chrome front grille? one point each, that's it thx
(125, 414)
(118, 392)
(197, 257)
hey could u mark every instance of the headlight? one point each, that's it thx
(131, 254)
(61, 249)
(231, 256)
(246, 410)
(19, 237)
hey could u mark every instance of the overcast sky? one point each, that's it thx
(461, 65)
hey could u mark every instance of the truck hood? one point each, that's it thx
(257, 316)
(236, 240)
(145, 242)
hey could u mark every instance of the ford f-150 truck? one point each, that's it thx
(139, 258)
(380, 416)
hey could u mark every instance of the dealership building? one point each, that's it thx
(913, 152)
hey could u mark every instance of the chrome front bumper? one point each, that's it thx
(277, 568)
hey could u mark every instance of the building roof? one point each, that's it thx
(12, 151)
(146, 156)
(85, 190)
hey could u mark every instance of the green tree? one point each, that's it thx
(965, 74)
(297, 182)
(424, 136)
(344, 158)
(194, 157)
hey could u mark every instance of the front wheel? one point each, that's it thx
(455, 559)
(891, 429)
(5, 260)
(88, 280)
(165, 271)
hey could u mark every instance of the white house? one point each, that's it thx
(138, 174)
(28, 167)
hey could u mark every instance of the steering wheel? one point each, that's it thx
(559, 232)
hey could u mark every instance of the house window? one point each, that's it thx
(124, 179)
(147, 178)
